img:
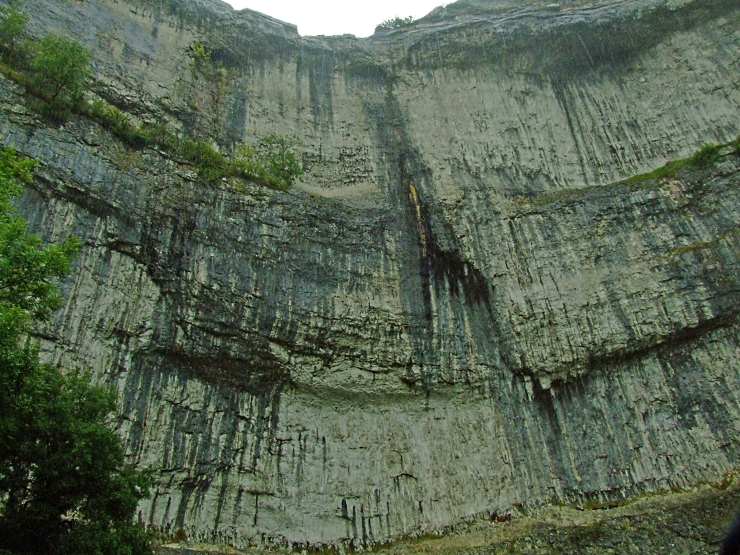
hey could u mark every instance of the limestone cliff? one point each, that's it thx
(458, 309)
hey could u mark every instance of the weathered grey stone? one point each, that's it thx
(455, 310)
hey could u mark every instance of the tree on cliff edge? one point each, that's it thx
(64, 486)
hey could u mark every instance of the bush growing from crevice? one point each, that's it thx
(120, 124)
(706, 156)
(666, 170)
(117, 122)
(158, 135)
(280, 161)
(56, 69)
(211, 164)
(272, 162)
(702, 159)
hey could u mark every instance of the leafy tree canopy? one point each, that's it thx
(64, 485)
(12, 27)
(61, 69)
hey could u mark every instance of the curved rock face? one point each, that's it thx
(457, 309)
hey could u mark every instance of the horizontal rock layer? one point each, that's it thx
(457, 309)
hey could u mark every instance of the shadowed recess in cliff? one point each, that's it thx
(445, 268)
(255, 373)
(362, 70)
(455, 292)
(576, 41)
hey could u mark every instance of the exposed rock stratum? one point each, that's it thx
(457, 309)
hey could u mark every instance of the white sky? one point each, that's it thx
(336, 17)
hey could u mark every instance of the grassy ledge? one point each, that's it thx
(704, 158)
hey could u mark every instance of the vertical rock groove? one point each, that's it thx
(459, 308)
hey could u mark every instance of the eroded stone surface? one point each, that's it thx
(453, 311)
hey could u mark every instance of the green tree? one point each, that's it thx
(64, 484)
(12, 29)
(61, 73)
(706, 156)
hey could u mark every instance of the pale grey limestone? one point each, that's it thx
(454, 311)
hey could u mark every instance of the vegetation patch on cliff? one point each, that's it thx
(56, 72)
(395, 23)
